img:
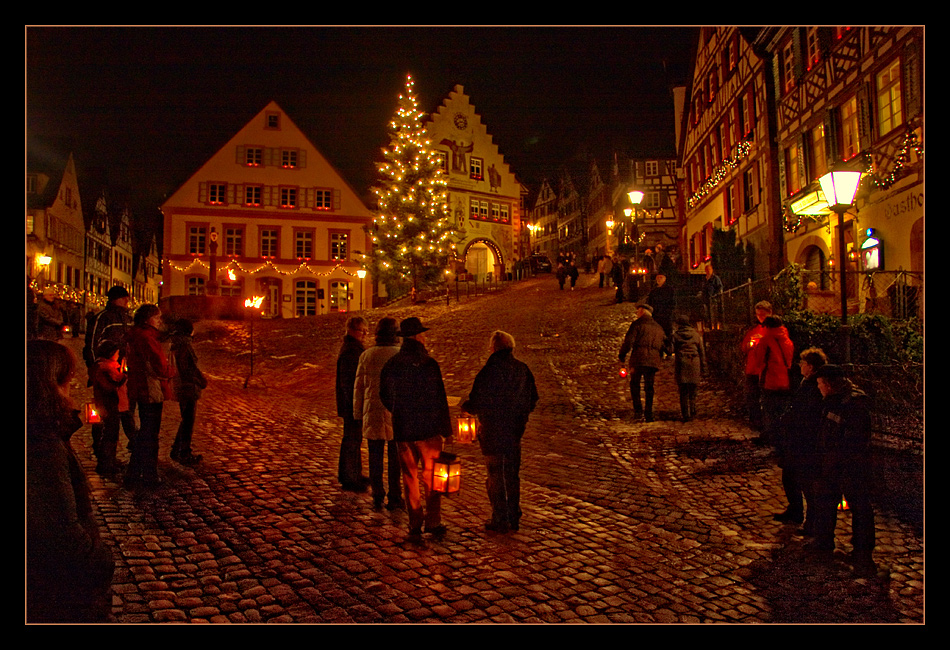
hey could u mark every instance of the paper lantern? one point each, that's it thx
(466, 428)
(446, 474)
(623, 372)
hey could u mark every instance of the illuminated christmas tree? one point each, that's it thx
(413, 236)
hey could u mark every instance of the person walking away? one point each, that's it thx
(561, 275)
(69, 568)
(111, 397)
(773, 360)
(503, 396)
(689, 365)
(187, 384)
(663, 301)
(377, 421)
(796, 442)
(573, 273)
(750, 341)
(644, 342)
(411, 388)
(617, 274)
(601, 272)
(150, 373)
(844, 447)
(350, 466)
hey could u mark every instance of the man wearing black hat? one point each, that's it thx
(844, 446)
(644, 341)
(411, 388)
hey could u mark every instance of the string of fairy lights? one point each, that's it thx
(909, 148)
(267, 266)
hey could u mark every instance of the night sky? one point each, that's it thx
(150, 105)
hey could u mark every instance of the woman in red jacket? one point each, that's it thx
(149, 373)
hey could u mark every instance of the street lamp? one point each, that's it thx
(839, 188)
(361, 273)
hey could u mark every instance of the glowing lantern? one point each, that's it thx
(92, 414)
(623, 372)
(467, 428)
(254, 302)
(446, 474)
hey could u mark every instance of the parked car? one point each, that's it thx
(540, 264)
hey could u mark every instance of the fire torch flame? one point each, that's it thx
(254, 302)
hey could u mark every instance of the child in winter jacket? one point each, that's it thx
(110, 395)
(690, 362)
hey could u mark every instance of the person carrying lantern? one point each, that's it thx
(503, 395)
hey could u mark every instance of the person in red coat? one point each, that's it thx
(750, 341)
(149, 373)
(772, 359)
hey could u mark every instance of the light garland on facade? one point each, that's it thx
(720, 172)
(267, 266)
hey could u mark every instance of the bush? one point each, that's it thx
(875, 339)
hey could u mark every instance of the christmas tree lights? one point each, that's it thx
(413, 237)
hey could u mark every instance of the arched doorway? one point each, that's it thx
(483, 260)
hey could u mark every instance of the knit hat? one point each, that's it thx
(645, 307)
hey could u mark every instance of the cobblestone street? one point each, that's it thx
(625, 522)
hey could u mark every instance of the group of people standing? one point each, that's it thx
(821, 430)
(393, 394)
(69, 569)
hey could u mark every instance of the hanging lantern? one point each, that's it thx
(447, 474)
(467, 428)
(92, 414)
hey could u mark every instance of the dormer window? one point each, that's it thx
(272, 121)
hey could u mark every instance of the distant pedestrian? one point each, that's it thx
(689, 365)
(150, 374)
(644, 342)
(844, 445)
(712, 296)
(503, 395)
(753, 390)
(350, 467)
(561, 275)
(411, 388)
(49, 316)
(663, 301)
(377, 421)
(111, 397)
(617, 275)
(600, 269)
(188, 383)
(573, 273)
(68, 567)
(796, 443)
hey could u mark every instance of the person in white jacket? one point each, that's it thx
(377, 420)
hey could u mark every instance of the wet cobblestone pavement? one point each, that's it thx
(625, 522)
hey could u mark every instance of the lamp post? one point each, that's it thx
(361, 274)
(636, 197)
(839, 188)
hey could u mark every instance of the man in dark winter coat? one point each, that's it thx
(503, 395)
(844, 447)
(350, 467)
(411, 388)
(663, 301)
(644, 341)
